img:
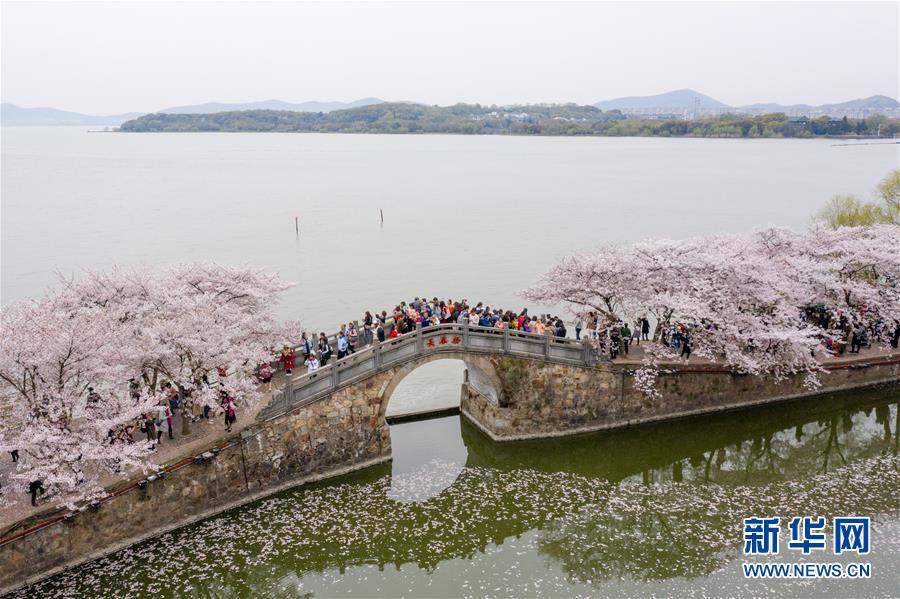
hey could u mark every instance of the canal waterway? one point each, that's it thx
(649, 511)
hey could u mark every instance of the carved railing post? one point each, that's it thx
(376, 349)
(420, 340)
(587, 351)
(334, 376)
(289, 391)
(466, 333)
(547, 336)
(506, 339)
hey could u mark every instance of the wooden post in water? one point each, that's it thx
(382, 215)
(297, 225)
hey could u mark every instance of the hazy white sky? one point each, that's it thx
(105, 58)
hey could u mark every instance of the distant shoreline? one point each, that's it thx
(879, 140)
(540, 120)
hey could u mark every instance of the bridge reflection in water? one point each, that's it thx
(756, 446)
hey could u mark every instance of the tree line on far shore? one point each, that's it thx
(475, 119)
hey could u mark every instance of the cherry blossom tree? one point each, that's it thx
(191, 322)
(742, 297)
(50, 356)
(184, 324)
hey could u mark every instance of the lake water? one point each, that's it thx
(477, 217)
(648, 511)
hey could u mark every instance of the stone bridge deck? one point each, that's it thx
(437, 341)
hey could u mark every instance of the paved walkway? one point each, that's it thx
(636, 355)
(204, 434)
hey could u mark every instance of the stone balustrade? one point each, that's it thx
(302, 389)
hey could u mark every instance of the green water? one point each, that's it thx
(655, 510)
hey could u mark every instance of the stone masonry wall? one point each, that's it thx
(546, 400)
(326, 438)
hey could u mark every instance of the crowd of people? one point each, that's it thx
(158, 422)
(856, 329)
(404, 319)
(612, 337)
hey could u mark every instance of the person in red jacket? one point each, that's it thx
(287, 359)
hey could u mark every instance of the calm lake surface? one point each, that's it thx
(654, 510)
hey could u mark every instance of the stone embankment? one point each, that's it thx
(551, 400)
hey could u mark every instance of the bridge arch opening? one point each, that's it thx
(435, 383)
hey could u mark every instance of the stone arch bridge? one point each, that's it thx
(387, 364)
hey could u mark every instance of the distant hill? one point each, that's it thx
(17, 116)
(858, 107)
(217, 107)
(684, 102)
(675, 101)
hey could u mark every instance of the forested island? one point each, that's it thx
(537, 119)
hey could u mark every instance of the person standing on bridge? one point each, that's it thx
(367, 328)
(306, 344)
(287, 359)
(312, 363)
(352, 338)
(560, 328)
(325, 350)
(579, 324)
(342, 345)
(645, 329)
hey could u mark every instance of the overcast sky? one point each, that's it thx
(103, 58)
